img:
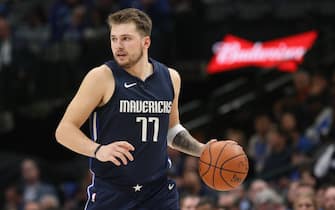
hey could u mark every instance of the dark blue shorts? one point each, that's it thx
(159, 195)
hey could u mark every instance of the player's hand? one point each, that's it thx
(211, 141)
(203, 147)
(116, 152)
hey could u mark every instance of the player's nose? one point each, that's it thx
(117, 44)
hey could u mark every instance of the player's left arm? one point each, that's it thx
(178, 137)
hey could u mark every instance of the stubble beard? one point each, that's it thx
(132, 61)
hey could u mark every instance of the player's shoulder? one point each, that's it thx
(100, 76)
(175, 78)
(174, 74)
(101, 72)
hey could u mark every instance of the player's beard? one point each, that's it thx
(131, 61)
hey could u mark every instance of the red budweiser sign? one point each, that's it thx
(285, 53)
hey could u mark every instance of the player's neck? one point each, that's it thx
(142, 69)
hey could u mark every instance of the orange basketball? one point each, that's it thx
(223, 165)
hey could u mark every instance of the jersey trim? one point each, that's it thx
(95, 127)
(88, 190)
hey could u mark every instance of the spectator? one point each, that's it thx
(49, 202)
(236, 135)
(33, 188)
(301, 81)
(319, 196)
(34, 33)
(291, 193)
(206, 203)
(329, 198)
(307, 176)
(288, 123)
(305, 202)
(258, 148)
(227, 200)
(189, 202)
(278, 161)
(190, 164)
(296, 98)
(268, 199)
(13, 198)
(256, 187)
(76, 199)
(298, 93)
(32, 205)
(305, 189)
(317, 100)
(192, 184)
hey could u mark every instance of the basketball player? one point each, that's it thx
(132, 103)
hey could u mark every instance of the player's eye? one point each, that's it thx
(113, 39)
(126, 38)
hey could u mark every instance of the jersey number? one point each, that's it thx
(145, 121)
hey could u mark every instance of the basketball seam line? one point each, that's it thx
(231, 159)
(217, 160)
(223, 178)
(210, 160)
(221, 168)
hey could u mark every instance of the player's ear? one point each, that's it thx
(146, 41)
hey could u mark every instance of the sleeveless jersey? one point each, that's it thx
(138, 112)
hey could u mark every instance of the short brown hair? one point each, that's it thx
(142, 20)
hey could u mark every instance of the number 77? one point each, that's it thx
(144, 121)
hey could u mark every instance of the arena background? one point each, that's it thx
(54, 43)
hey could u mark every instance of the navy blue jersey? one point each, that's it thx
(138, 112)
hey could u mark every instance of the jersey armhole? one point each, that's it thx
(170, 81)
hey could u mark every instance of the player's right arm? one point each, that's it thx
(97, 84)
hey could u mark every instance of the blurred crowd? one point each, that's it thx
(291, 147)
(46, 46)
(291, 153)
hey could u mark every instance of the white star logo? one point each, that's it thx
(137, 187)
